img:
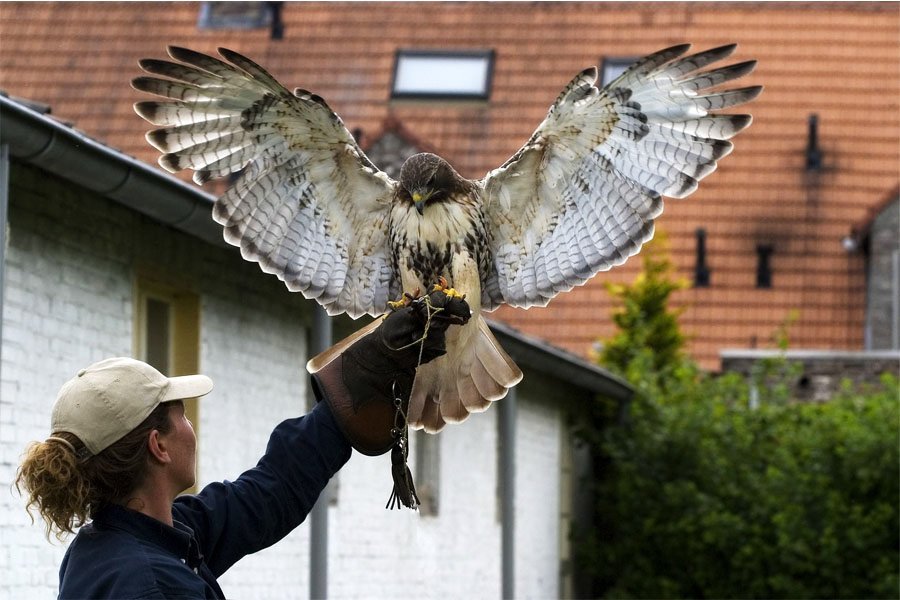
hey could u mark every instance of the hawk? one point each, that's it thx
(579, 197)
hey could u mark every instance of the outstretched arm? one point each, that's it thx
(356, 390)
(234, 518)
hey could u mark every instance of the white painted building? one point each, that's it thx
(103, 255)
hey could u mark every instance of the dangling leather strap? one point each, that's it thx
(404, 491)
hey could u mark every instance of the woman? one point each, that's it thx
(121, 450)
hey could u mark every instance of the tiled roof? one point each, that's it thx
(838, 60)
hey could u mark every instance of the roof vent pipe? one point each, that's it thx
(276, 29)
(813, 153)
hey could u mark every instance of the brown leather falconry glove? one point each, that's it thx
(361, 385)
(367, 386)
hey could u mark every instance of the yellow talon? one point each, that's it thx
(443, 286)
(405, 300)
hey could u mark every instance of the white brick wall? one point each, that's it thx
(537, 498)
(53, 324)
(68, 302)
(69, 284)
(236, 418)
(389, 554)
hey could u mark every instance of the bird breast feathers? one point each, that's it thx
(449, 221)
(449, 224)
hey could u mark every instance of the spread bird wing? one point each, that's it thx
(308, 206)
(582, 194)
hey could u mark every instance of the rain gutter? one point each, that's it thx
(41, 141)
(321, 338)
(508, 413)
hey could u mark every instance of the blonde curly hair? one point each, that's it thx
(67, 490)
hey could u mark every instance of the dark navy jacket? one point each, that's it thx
(125, 554)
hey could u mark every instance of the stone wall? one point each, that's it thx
(822, 371)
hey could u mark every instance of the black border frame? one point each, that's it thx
(490, 55)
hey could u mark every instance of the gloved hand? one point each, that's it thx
(361, 385)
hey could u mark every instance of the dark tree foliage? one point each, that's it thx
(703, 494)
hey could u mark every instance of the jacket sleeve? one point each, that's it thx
(234, 518)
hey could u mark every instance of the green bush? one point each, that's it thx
(648, 349)
(699, 495)
(707, 498)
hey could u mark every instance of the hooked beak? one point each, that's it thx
(419, 201)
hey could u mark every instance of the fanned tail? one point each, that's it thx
(475, 372)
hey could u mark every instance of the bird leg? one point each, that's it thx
(405, 300)
(443, 286)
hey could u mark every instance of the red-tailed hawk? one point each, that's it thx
(578, 198)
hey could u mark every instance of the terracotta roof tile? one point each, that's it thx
(838, 60)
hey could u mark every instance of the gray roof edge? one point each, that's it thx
(540, 355)
(812, 354)
(46, 143)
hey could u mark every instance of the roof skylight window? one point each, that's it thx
(612, 67)
(425, 74)
(235, 15)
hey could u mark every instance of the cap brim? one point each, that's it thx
(187, 386)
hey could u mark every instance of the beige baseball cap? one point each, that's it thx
(107, 400)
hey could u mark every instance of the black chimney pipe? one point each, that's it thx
(701, 271)
(813, 153)
(276, 31)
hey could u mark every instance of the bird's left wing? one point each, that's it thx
(308, 206)
(581, 195)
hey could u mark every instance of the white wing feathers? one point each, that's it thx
(579, 197)
(309, 206)
(582, 194)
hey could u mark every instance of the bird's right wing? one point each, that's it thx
(309, 206)
(582, 194)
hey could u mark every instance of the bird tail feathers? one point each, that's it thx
(449, 388)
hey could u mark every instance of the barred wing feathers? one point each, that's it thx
(582, 194)
(309, 206)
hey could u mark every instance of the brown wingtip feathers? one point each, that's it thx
(753, 92)
(156, 138)
(742, 68)
(184, 54)
(147, 111)
(145, 84)
(741, 122)
(169, 162)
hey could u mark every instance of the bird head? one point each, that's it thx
(427, 177)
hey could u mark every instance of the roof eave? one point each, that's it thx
(44, 142)
(543, 357)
